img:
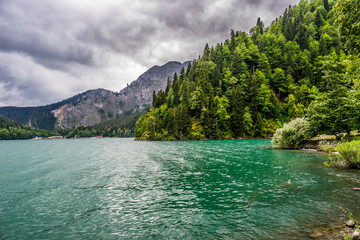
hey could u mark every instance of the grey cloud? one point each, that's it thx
(27, 30)
(75, 45)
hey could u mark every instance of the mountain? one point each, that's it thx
(95, 106)
(251, 84)
(140, 91)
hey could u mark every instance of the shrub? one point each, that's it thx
(292, 135)
(349, 153)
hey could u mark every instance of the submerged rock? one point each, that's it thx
(316, 235)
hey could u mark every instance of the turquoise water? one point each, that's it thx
(123, 189)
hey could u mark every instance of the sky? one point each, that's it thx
(52, 50)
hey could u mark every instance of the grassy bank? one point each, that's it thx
(343, 154)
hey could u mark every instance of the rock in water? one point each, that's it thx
(350, 223)
(356, 235)
(316, 235)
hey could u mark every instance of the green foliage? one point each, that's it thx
(293, 134)
(347, 14)
(351, 217)
(348, 155)
(11, 130)
(336, 110)
(327, 146)
(123, 127)
(253, 83)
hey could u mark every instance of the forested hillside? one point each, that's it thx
(252, 84)
(122, 127)
(11, 130)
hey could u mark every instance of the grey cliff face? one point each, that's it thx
(95, 106)
(140, 91)
(91, 108)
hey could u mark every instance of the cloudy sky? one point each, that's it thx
(51, 50)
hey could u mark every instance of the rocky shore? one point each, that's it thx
(343, 230)
(337, 232)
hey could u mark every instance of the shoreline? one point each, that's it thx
(202, 139)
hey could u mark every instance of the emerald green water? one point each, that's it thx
(123, 189)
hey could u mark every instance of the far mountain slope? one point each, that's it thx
(95, 106)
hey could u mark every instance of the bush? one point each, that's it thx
(327, 146)
(349, 153)
(292, 135)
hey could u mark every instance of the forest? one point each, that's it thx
(304, 65)
(11, 130)
(123, 126)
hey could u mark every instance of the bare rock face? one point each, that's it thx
(92, 107)
(350, 224)
(140, 91)
(98, 105)
(95, 106)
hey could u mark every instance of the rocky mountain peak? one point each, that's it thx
(140, 91)
(97, 105)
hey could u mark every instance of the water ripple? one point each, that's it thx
(118, 188)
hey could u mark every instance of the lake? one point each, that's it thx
(125, 189)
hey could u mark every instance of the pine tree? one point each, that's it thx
(168, 86)
(237, 112)
(302, 38)
(326, 5)
(232, 40)
(207, 51)
(260, 24)
(176, 89)
(318, 23)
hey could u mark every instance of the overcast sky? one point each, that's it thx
(51, 50)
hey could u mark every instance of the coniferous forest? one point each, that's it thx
(305, 64)
(10, 130)
(122, 127)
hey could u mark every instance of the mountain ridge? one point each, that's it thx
(96, 105)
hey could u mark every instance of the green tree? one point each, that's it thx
(278, 82)
(237, 112)
(248, 123)
(326, 5)
(347, 14)
(336, 110)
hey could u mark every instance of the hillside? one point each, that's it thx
(252, 83)
(12, 130)
(96, 106)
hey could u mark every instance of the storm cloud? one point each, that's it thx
(51, 50)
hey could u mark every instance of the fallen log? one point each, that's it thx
(356, 189)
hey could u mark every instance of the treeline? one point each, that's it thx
(122, 127)
(11, 130)
(251, 84)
